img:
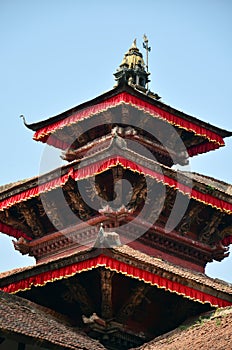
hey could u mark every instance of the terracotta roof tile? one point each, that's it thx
(23, 317)
(198, 277)
(210, 181)
(212, 331)
(14, 271)
(7, 187)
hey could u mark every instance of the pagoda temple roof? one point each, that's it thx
(20, 317)
(127, 261)
(38, 323)
(8, 189)
(210, 196)
(215, 196)
(137, 93)
(26, 198)
(121, 104)
(211, 330)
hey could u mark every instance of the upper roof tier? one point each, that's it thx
(170, 135)
(128, 106)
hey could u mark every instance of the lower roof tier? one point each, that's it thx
(39, 327)
(119, 290)
(211, 330)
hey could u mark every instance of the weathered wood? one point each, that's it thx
(77, 293)
(51, 210)
(76, 202)
(135, 299)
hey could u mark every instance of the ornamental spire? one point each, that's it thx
(132, 70)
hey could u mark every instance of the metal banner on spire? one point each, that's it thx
(147, 48)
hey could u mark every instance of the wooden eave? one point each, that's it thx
(67, 236)
(125, 88)
(136, 259)
(181, 177)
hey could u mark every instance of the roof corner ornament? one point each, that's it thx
(148, 49)
(24, 120)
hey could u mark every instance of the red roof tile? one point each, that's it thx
(187, 274)
(22, 317)
(211, 332)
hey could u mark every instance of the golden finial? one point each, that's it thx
(134, 45)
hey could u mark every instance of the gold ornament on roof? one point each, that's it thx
(134, 44)
(133, 57)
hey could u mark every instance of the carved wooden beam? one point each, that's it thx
(170, 197)
(31, 219)
(77, 293)
(134, 300)
(227, 231)
(76, 202)
(158, 201)
(188, 219)
(21, 245)
(138, 194)
(51, 210)
(211, 227)
(106, 290)
(17, 221)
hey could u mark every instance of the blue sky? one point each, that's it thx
(56, 54)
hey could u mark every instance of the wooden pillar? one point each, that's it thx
(106, 291)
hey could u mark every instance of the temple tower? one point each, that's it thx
(120, 238)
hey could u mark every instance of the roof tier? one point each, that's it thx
(126, 106)
(120, 291)
(57, 218)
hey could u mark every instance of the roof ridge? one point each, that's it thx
(9, 185)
